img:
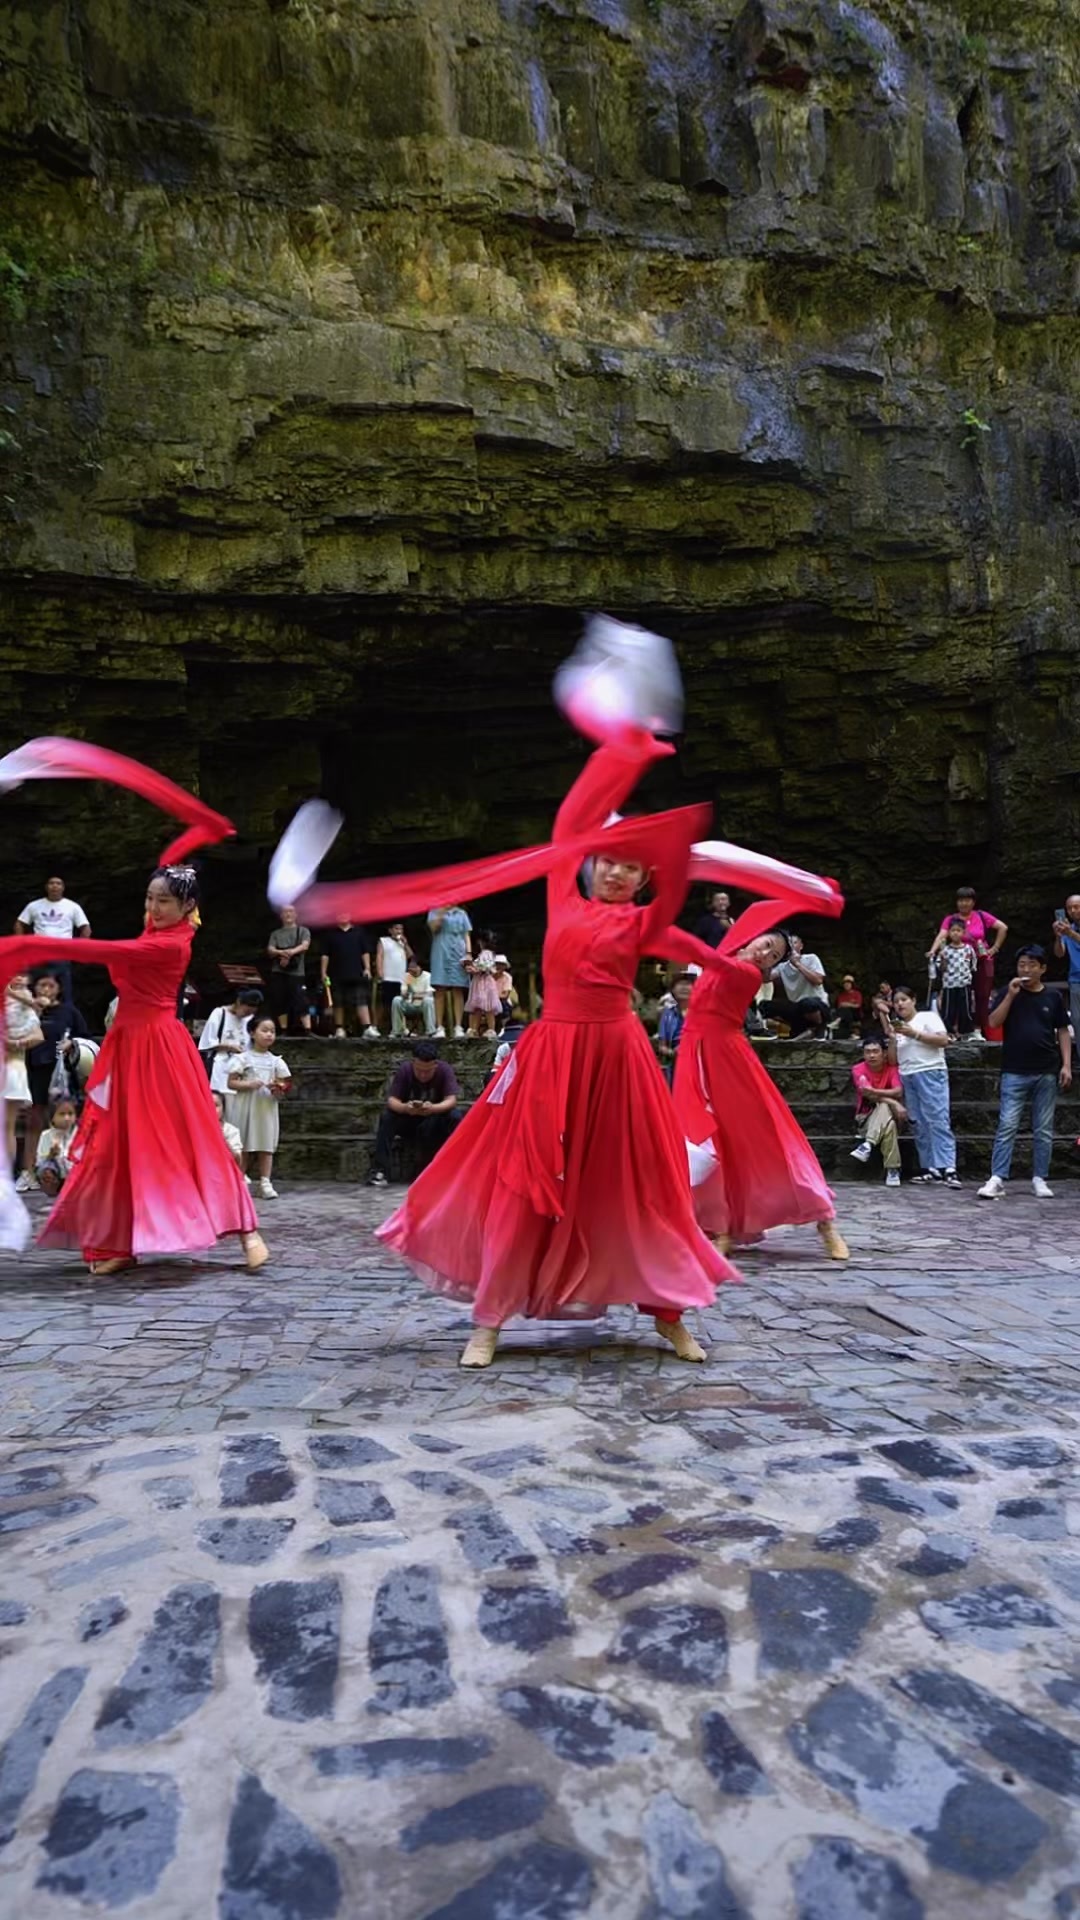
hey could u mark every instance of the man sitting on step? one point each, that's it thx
(879, 1108)
(420, 1107)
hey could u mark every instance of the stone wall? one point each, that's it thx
(349, 350)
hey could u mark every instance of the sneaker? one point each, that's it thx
(993, 1189)
(339, 1033)
(892, 1178)
(953, 1180)
(372, 1033)
(931, 1178)
(439, 1033)
(377, 1179)
(459, 1033)
(862, 1152)
(1040, 1189)
(26, 1182)
(265, 1191)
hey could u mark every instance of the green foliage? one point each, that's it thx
(37, 273)
(14, 283)
(974, 426)
(966, 243)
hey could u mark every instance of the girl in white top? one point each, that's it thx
(917, 1045)
(259, 1079)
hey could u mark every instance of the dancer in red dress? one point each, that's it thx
(151, 1172)
(753, 1165)
(565, 1189)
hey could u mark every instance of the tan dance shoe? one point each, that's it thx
(480, 1351)
(833, 1240)
(680, 1337)
(256, 1251)
(102, 1268)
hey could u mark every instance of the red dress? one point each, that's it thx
(151, 1172)
(565, 1189)
(767, 1174)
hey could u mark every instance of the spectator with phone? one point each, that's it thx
(917, 1043)
(420, 1106)
(800, 998)
(1036, 1060)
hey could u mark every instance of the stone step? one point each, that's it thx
(329, 1120)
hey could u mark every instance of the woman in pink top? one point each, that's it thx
(986, 933)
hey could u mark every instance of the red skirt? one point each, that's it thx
(151, 1172)
(565, 1190)
(767, 1173)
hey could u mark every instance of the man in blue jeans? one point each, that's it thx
(1036, 1059)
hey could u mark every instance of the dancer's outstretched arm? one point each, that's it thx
(607, 778)
(20, 952)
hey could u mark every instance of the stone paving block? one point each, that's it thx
(839, 1881)
(1028, 1746)
(111, 1836)
(903, 1782)
(400, 1759)
(345, 1502)
(22, 1753)
(728, 1759)
(295, 1631)
(484, 1816)
(408, 1650)
(688, 1875)
(681, 1642)
(525, 1617)
(254, 1471)
(808, 1618)
(172, 1674)
(997, 1617)
(275, 1867)
(542, 1882)
(590, 1729)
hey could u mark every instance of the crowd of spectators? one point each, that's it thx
(350, 980)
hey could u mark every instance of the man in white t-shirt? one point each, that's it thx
(54, 914)
(800, 998)
(917, 1045)
(58, 918)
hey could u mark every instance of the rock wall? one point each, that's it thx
(349, 350)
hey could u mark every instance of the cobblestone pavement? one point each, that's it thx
(296, 1620)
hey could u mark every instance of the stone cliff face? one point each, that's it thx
(349, 350)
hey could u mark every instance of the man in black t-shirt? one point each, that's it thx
(715, 921)
(1036, 1059)
(346, 962)
(420, 1105)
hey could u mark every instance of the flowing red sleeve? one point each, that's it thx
(52, 758)
(404, 893)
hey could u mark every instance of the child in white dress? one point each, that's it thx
(259, 1080)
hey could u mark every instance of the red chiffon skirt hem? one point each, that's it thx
(767, 1173)
(151, 1172)
(564, 1191)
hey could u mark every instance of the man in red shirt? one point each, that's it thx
(878, 1109)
